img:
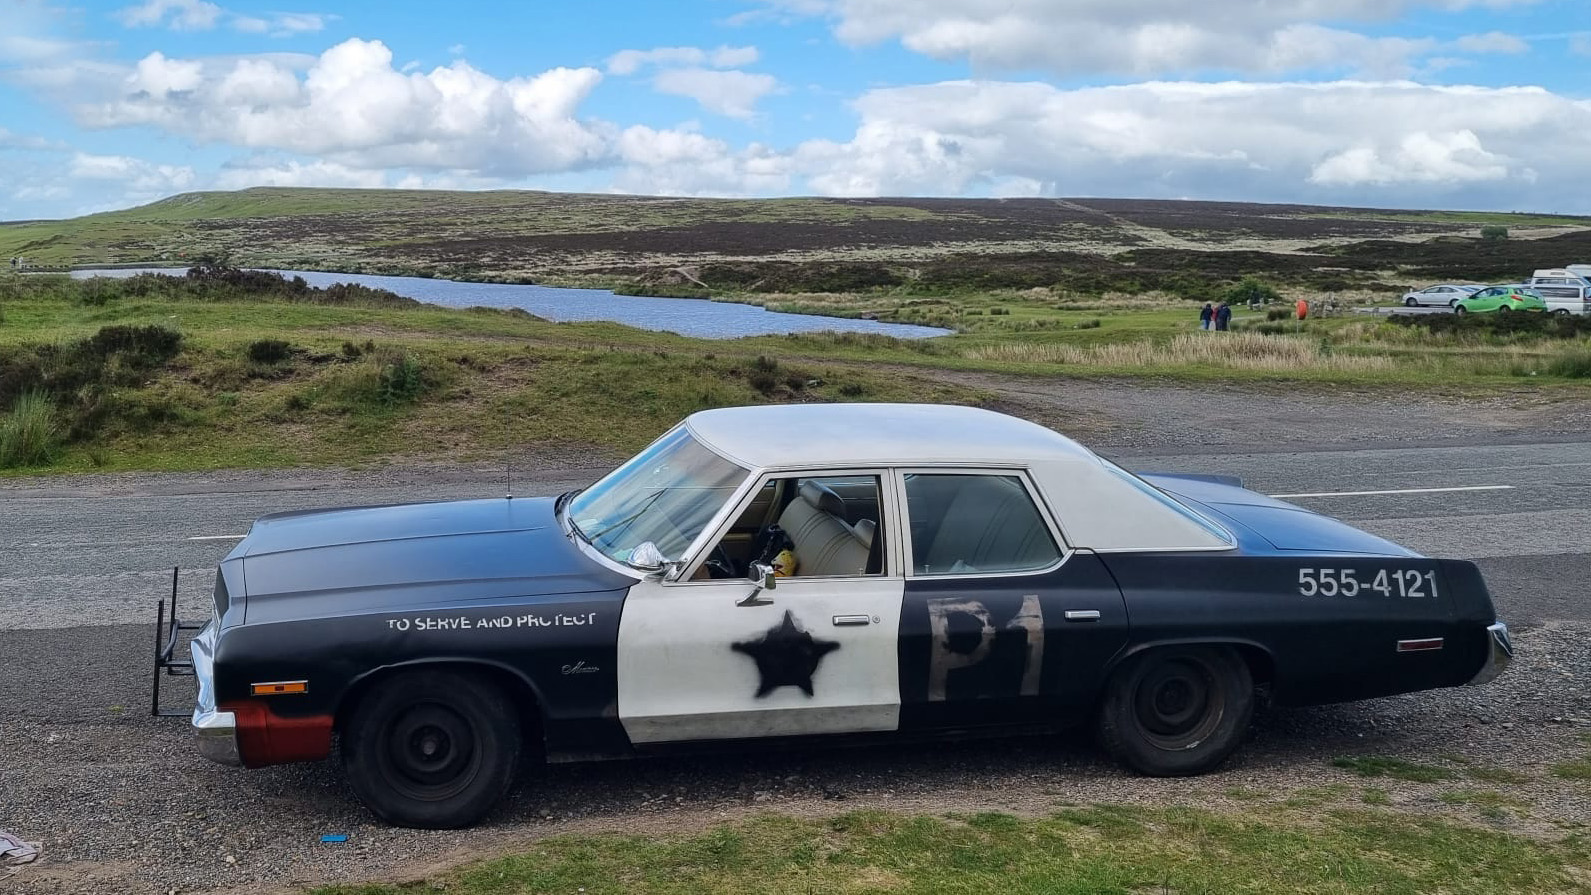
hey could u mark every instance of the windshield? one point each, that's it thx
(666, 494)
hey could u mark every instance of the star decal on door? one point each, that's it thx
(786, 656)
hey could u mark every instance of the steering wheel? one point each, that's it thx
(719, 565)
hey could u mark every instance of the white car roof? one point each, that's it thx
(1097, 505)
(796, 435)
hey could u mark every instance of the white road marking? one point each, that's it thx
(218, 538)
(1399, 491)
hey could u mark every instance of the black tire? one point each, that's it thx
(1460, 309)
(1560, 312)
(1503, 309)
(1177, 711)
(432, 749)
(1452, 302)
(1411, 302)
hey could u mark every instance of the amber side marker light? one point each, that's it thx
(279, 688)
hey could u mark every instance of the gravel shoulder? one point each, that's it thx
(122, 803)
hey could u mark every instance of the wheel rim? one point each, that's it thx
(429, 752)
(1410, 302)
(1178, 703)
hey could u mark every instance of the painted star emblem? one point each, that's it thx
(786, 656)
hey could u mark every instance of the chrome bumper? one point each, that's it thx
(217, 732)
(1500, 653)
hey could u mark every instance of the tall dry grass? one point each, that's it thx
(1234, 350)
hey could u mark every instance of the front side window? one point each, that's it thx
(975, 524)
(816, 526)
(666, 494)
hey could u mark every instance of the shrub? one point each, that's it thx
(1279, 313)
(401, 380)
(139, 346)
(1091, 323)
(27, 434)
(270, 351)
(1250, 289)
(1494, 232)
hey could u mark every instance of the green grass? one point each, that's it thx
(1100, 850)
(1396, 768)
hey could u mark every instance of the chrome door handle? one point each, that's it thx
(1082, 615)
(847, 620)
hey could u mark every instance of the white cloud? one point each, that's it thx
(682, 163)
(628, 62)
(1349, 141)
(1140, 37)
(202, 15)
(351, 107)
(179, 15)
(1492, 42)
(731, 93)
(135, 174)
(292, 172)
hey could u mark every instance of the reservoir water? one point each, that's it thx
(685, 316)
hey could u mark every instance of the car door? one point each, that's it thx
(725, 659)
(1002, 624)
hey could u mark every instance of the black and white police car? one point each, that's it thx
(805, 574)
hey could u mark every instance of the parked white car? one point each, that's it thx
(1564, 291)
(1446, 294)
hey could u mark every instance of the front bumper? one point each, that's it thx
(217, 732)
(1500, 651)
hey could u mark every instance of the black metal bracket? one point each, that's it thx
(168, 632)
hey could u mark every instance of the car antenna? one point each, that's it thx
(510, 479)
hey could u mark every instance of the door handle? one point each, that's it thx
(843, 621)
(1082, 615)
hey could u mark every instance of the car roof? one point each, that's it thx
(802, 435)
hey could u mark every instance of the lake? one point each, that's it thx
(685, 316)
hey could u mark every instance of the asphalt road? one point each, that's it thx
(76, 558)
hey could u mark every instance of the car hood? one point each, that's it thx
(371, 559)
(1262, 522)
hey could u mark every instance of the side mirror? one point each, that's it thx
(647, 558)
(763, 575)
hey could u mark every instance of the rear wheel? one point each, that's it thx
(1452, 302)
(1503, 309)
(1177, 711)
(432, 749)
(1561, 312)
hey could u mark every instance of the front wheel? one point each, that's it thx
(1412, 302)
(1460, 309)
(1177, 711)
(432, 749)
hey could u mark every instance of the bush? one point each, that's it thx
(27, 434)
(1250, 289)
(401, 380)
(1090, 323)
(1279, 314)
(270, 351)
(1494, 232)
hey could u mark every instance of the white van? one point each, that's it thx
(1565, 291)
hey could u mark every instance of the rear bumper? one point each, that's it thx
(1500, 651)
(216, 731)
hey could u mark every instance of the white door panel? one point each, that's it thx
(695, 666)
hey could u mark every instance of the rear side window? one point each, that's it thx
(975, 524)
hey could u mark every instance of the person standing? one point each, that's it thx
(1206, 314)
(1223, 316)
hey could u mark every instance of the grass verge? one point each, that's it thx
(1100, 850)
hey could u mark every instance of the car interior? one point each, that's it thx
(831, 524)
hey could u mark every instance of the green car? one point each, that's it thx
(1502, 299)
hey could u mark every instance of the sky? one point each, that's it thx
(1449, 104)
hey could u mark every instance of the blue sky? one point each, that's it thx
(1480, 104)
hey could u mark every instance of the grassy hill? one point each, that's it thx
(806, 244)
